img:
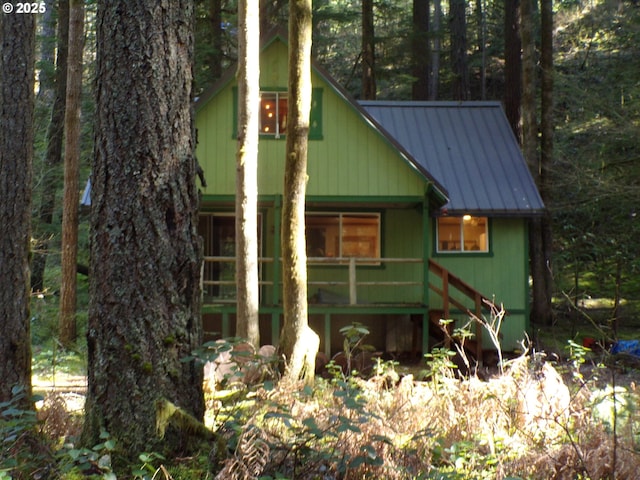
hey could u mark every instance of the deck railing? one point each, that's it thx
(449, 284)
(351, 282)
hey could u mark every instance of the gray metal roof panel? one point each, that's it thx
(469, 148)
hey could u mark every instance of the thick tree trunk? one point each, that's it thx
(17, 58)
(298, 342)
(144, 312)
(420, 50)
(248, 75)
(53, 154)
(67, 327)
(459, 67)
(368, 52)
(512, 65)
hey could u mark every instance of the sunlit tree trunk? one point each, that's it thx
(420, 50)
(17, 58)
(368, 52)
(68, 296)
(144, 311)
(247, 325)
(298, 342)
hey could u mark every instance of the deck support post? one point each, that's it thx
(353, 295)
(225, 325)
(327, 335)
(425, 332)
(275, 328)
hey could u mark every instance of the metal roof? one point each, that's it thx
(469, 148)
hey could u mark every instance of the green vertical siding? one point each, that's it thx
(350, 159)
(501, 275)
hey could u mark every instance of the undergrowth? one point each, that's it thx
(534, 419)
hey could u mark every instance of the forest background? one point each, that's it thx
(592, 178)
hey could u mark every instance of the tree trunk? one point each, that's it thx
(435, 51)
(53, 155)
(17, 60)
(368, 52)
(144, 311)
(512, 66)
(67, 327)
(541, 303)
(215, 60)
(298, 342)
(459, 67)
(546, 150)
(420, 50)
(248, 75)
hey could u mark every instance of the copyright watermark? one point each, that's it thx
(24, 8)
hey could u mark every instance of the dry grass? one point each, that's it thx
(527, 423)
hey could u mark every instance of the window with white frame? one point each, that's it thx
(343, 235)
(273, 113)
(462, 234)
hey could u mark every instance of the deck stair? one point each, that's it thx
(450, 283)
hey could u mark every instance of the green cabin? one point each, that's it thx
(416, 211)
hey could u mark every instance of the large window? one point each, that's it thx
(343, 235)
(218, 232)
(273, 113)
(462, 234)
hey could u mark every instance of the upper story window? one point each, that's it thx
(343, 235)
(462, 234)
(273, 113)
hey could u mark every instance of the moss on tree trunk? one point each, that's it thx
(144, 313)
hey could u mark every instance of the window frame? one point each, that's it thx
(279, 96)
(261, 238)
(315, 115)
(480, 253)
(341, 260)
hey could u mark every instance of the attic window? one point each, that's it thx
(462, 234)
(273, 113)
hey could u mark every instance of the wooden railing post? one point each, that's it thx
(353, 295)
(478, 313)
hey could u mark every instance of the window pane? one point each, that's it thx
(449, 234)
(463, 234)
(323, 239)
(268, 113)
(360, 236)
(475, 234)
(282, 113)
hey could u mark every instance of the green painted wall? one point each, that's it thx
(501, 275)
(352, 158)
(351, 161)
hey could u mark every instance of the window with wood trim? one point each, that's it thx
(462, 234)
(343, 235)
